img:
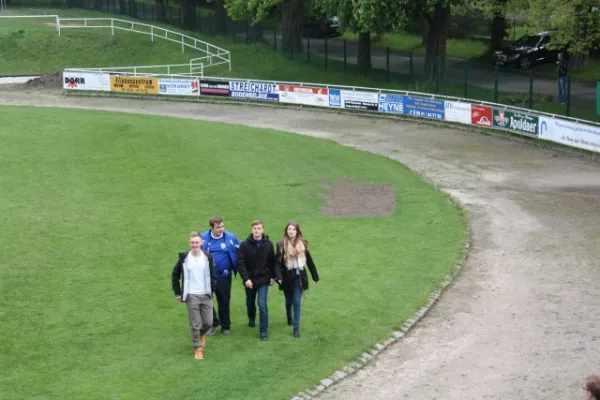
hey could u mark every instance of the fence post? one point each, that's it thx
(345, 56)
(496, 71)
(466, 80)
(247, 32)
(530, 99)
(410, 65)
(275, 39)
(308, 49)
(568, 95)
(437, 74)
(387, 63)
(325, 52)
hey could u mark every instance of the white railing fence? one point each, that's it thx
(212, 55)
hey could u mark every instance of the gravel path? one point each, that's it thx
(521, 321)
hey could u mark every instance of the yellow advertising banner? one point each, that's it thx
(134, 84)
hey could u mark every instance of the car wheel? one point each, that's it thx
(525, 63)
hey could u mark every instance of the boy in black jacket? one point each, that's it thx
(256, 266)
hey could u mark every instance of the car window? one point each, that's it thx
(527, 41)
(545, 41)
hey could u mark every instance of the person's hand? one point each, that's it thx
(178, 298)
(271, 282)
(248, 284)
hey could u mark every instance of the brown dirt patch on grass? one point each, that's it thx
(347, 199)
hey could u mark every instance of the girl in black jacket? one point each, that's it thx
(292, 258)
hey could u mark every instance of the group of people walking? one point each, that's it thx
(216, 256)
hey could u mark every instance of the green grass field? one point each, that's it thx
(96, 207)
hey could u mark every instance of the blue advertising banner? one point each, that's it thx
(423, 107)
(335, 98)
(391, 103)
(254, 90)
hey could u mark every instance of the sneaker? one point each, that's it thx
(211, 331)
(226, 332)
(297, 332)
(198, 353)
(251, 324)
(203, 340)
(264, 337)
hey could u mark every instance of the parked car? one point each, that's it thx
(321, 27)
(527, 51)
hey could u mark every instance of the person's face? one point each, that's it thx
(195, 244)
(218, 229)
(291, 231)
(257, 231)
(560, 57)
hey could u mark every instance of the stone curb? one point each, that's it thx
(366, 357)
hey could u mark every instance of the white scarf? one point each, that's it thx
(295, 255)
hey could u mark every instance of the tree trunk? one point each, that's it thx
(292, 19)
(161, 10)
(425, 25)
(220, 17)
(498, 31)
(189, 14)
(364, 52)
(436, 41)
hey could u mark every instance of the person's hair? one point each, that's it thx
(592, 384)
(299, 235)
(257, 222)
(194, 234)
(215, 221)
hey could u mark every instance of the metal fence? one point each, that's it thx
(455, 77)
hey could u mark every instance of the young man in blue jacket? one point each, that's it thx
(223, 246)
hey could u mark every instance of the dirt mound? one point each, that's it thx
(49, 80)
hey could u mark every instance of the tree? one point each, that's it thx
(367, 18)
(575, 25)
(290, 12)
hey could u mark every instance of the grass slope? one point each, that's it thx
(96, 206)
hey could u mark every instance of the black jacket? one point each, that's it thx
(257, 264)
(177, 274)
(286, 284)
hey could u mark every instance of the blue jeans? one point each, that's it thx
(562, 89)
(294, 299)
(262, 306)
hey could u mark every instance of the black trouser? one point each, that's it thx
(223, 294)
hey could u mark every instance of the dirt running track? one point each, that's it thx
(522, 320)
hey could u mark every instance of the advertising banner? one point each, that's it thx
(86, 81)
(310, 96)
(424, 107)
(354, 100)
(457, 111)
(254, 90)
(391, 103)
(520, 123)
(134, 84)
(481, 116)
(179, 87)
(572, 134)
(214, 88)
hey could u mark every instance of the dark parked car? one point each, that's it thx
(527, 51)
(321, 27)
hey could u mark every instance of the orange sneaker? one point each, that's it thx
(198, 353)
(203, 340)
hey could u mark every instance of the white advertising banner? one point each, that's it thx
(86, 81)
(354, 100)
(178, 87)
(457, 111)
(569, 133)
(310, 96)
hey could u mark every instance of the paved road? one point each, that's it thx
(582, 94)
(521, 320)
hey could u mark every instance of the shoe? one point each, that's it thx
(226, 332)
(290, 321)
(198, 353)
(296, 332)
(211, 331)
(203, 340)
(251, 324)
(264, 337)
